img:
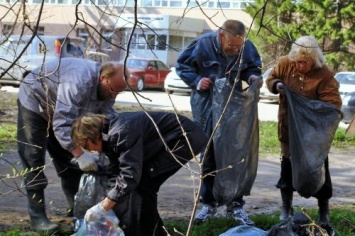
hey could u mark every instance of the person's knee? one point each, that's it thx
(35, 183)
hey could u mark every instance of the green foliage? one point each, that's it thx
(278, 23)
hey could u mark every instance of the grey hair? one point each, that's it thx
(234, 27)
(307, 47)
(109, 68)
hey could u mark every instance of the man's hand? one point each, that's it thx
(280, 87)
(95, 213)
(87, 162)
(254, 78)
(205, 83)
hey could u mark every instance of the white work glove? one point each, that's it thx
(87, 162)
(95, 213)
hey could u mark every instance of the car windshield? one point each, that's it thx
(346, 78)
(139, 64)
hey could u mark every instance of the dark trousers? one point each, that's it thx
(35, 138)
(209, 166)
(285, 181)
(138, 212)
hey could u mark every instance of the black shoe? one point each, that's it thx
(330, 230)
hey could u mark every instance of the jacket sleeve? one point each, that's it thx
(252, 58)
(275, 76)
(187, 64)
(129, 149)
(328, 91)
(70, 102)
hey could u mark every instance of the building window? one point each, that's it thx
(83, 33)
(127, 3)
(161, 42)
(227, 4)
(187, 41)
(175, 43)
(241, 4)
(175, 3)
(6, 29)
(151, 41)
(107, 40)
(40, 30)
(224, 4)
(141, 41)
(147, 3)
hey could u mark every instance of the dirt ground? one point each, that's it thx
(177, 194)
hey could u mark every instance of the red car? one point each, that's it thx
(146, 73)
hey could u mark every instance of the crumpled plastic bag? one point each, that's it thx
(236, 141)
(244, 230)
(92, 189)
(312, 125)
(106, 226)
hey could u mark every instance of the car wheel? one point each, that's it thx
(140, 84)
(169, 91)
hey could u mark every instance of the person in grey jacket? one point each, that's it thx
(50, 98)
(212, 56)
(139, 162)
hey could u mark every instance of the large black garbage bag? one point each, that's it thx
(312, 125)
(236, 141)
(282, 229)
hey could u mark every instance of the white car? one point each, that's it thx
(173, 83)
(264, 91)
(346, 81)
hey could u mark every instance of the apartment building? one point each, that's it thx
(142, 28)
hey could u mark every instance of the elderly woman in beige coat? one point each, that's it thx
(304, 72)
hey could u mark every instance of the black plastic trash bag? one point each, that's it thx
(282, 229)
(312, 125)
(92, 189)
(236, 141)
(244, 230)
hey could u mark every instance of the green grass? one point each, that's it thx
(7, 136)
(269, 143)
(342, 219)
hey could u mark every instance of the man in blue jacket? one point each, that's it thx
(221, 54)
